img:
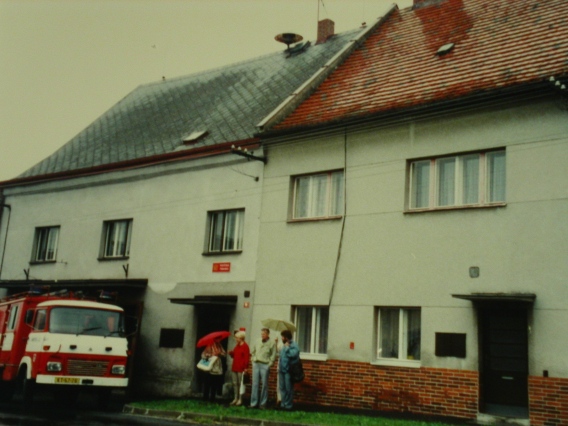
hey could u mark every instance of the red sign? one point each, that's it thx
(222, 267)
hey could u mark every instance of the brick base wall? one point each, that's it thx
(422, 391)
(358, 385)
(548, 401)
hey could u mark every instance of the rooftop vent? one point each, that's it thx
(446, 48)
(194, 137)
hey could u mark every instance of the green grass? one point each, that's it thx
(304, 417)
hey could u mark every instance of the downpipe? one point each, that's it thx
(2, 207)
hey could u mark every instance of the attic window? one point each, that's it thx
(194, 137)
(446, 48)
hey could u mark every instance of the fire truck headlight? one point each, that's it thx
(118, 369)
(54, 366)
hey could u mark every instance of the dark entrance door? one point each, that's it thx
(211, 317)
(504, 357)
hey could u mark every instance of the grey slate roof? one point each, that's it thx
(228, 102)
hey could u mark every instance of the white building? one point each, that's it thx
(159, 201)
(425, 183)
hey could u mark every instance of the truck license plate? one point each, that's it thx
(70, 380)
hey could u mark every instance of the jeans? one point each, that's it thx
(259, 375)
(286, 390)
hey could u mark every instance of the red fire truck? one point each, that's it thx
(60, 340)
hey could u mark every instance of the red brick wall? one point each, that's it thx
(423, 391)
(359, 385)
(548, 401)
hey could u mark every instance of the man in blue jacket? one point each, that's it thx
(289, 354)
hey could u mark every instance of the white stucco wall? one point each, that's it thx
(168, 205)
(392, 258)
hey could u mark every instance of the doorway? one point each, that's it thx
(503, 329)
(210, 318)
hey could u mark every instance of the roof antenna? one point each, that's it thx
(288, 39)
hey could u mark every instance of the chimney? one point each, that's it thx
(326, 28)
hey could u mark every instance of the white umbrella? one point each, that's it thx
(278, 324)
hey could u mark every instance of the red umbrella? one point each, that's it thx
(211, 338)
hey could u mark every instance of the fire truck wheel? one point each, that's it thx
(25, 387)
(6, 391)
(104, 398)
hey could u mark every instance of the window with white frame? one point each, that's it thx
(116, 238)
(45, 244)
(311, 328)
(225, 231)
(475, 179)
(318, 195)
(398, 334)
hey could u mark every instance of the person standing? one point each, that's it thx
(289, 354)
(263, 355)
(241, 358)
(213, 378)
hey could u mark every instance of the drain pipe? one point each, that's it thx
(2, 207)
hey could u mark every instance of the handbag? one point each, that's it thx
(205, 364)
(216, 366)
(297, 371)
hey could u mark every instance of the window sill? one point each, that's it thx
(106, 259)
(314, 219)
(221, 253)
(451, 208)
(410, 363)
(313, 357)
(42, 262)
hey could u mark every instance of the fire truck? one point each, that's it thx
(61, 341)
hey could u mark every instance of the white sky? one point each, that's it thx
(63, 63)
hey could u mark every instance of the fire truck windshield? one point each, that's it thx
(94, 322)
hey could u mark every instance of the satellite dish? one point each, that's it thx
(288, 38)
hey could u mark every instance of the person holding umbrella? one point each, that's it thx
(241, 358)
(263, 355)
(213, 373)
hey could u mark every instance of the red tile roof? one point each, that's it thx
(497, 44)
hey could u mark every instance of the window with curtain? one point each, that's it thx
(311, 328)
(475, 179)
(45, 244)
(398, 332)
(116, 238)
(318, 195)
(225, 231)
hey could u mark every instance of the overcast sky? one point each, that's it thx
(63, 63)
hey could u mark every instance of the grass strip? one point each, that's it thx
(302, 417)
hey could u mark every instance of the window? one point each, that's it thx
(398, 336)
(12, 320)
(318, 196)
(311, 328)
(225, 231)
(45, 244)
(40, 319)
(476, 179)
(116, 238)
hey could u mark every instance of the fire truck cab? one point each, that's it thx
(60, 340)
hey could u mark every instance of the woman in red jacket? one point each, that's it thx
(241, 358)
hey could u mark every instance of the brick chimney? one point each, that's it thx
(326, 28)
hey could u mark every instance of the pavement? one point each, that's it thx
(204, 418)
